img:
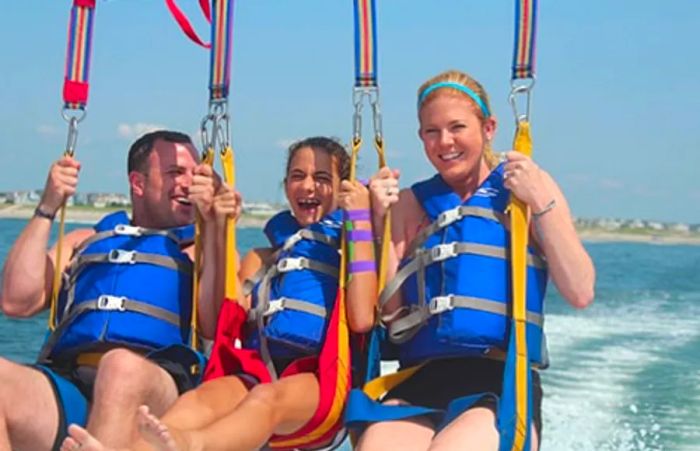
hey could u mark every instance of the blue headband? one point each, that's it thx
(459, 87)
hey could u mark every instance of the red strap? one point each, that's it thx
(184, 22)
(84, 3)
(75, 92)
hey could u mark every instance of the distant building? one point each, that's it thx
(102, 200)
(259, 208)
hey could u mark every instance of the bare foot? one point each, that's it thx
(80, 439)
(156, 432)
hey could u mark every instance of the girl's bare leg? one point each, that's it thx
(281, 407)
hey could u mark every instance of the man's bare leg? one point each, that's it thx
(28, 408)
(124, 381)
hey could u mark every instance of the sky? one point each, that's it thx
(614, 114)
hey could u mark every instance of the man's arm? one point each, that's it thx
(29, 269)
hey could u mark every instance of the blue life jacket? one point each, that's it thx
(293, 298)
(125, 285)
(456, 282)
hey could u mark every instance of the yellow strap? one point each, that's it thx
(519, 232)
(231, 290)
(207, 158)
(56, 287)
(386, 236)
(378, 387)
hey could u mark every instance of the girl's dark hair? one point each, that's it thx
(331, 146)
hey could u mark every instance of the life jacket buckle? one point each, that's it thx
(111, 303)
(448, 217)
(275, 306)
(121, 256)
(443, 252)
(128, 230)
(440, 304)
(291, 264)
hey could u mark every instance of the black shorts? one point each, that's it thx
(441, 381)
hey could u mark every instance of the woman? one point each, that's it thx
(237, 411)
(449, 238)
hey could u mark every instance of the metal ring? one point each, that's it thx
(78, 116)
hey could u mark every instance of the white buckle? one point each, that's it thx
(443, 252)
(274, 306)
(107, 302)
(121, 256)
(291, 264)
(292, 240)
(440, 304)
(448, 217)
(128, 230)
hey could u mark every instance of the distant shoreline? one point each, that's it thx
(90, 215)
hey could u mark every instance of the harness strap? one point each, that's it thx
(107, 303)
(403, 329)
(220, 55)
(365, 43)
(184, 22)
(440, 253)
(524, 45)
(119, 256)
(125, 230)
(284, 303)
(451, 216)
(75, 83)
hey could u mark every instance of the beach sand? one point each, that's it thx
(84, 215)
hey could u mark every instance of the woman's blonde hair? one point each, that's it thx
(460, 78)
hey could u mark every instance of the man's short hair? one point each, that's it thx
(142, 148)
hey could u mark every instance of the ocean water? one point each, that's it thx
(624, 374)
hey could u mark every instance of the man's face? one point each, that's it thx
(166, 183)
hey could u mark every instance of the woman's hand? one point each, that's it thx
(384, 189)
(526, 180)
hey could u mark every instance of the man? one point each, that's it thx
(125, 304)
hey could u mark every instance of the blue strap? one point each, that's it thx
(361, 410)
(506, 417)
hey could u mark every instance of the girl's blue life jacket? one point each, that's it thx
(124, 286)
(293, 297)
(455, 279)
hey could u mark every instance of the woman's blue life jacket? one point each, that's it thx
(456, 278)
(293, 296)
(124, 286)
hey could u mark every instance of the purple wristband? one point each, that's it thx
(360, 235)
(358, 215)
(363, 266)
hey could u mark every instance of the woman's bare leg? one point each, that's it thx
(281, 407)
(474, 429)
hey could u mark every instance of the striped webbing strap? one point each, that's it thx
(221, 44)
(365, 43)
(75, 84)
(524, 45)
(184, 22)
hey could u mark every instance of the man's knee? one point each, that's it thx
(121, 371)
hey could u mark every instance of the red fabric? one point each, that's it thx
(225, 358)
(75, 91)
(185, 24)
(327, 371)
(84, 3)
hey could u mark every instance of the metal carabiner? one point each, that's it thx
(358, 95)
(521, 87)
(73, 121)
